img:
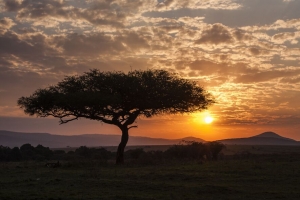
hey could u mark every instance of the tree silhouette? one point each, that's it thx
(117, 98)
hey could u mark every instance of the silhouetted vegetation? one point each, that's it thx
(26, 152)
(257, 173)
(196, 150)
(117, 98)
(185, 151)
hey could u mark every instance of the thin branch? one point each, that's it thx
(132, 127)
(132, 118)
(67, 120)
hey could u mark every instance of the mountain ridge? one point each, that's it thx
(266, 138)
(270, 134)
(13, 139)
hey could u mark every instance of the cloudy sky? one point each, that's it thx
(244, 52)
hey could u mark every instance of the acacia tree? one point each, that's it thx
(117, 98)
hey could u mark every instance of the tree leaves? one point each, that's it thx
(116, 97)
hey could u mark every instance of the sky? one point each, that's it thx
(244, 52)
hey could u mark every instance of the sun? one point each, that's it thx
(208, 119)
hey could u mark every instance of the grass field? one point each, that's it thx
(258, 176)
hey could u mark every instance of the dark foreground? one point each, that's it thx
(247, 177)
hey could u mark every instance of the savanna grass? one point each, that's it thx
(255, 177)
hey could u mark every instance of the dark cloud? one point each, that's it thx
(264, 76)
(15, 83)
(241, 35)
(206, 67)
(13, 5)
(283, 35)
(88, 45)
(134, 40)
(254, 51)
(216, 34)
(109, 13)
(278, 60)
(290, 80)
(67, 53)
(250, 13)
(11, 43)
(164, 4)
(30, 50)
(6, 23)
(94, 44)
(38, 9)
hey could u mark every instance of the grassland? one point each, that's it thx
(237, 176)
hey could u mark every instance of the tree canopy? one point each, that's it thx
(117, 98)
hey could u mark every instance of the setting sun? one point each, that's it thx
(208, 119)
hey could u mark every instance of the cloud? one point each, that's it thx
(290, 80)
(196, 4)
(254, 51)
(101, 13)
(6, 23)
(264, 76)
(215, 34)
(283, 37)
(11, 43)
(241, 35)
(87, 45)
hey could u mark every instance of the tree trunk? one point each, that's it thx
(122, 145)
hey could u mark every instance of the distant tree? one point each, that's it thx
(83, 151)
(27, 151)
(215, 149)
(4, 153)
(15, 154)
(187, 150)
(43, 152)
(117, 98)
(135, 153)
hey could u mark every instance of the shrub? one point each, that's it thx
(215, 149)
(135, 153)
(43, 152)
(4, 153)
(189, 150)
(15, 154)
(27, 151)
(195, 150)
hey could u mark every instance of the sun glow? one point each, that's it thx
(208, 119)
(203, 118)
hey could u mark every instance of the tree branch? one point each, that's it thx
(62, 121)
(132, 127)
(132, 118)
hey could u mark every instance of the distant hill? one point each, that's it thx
(16, 139)
(266, 138)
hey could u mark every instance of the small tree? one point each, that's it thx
(27, 151)
(117, 98)
(215, 149)
(15, 154)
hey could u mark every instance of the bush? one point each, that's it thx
(27, 151)
(215, 149)
(189, 150)
(195, 150)
(15, 154)
(186, 151)
(43, 152)
(4, 153)
(93, 153)
(135, 153)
